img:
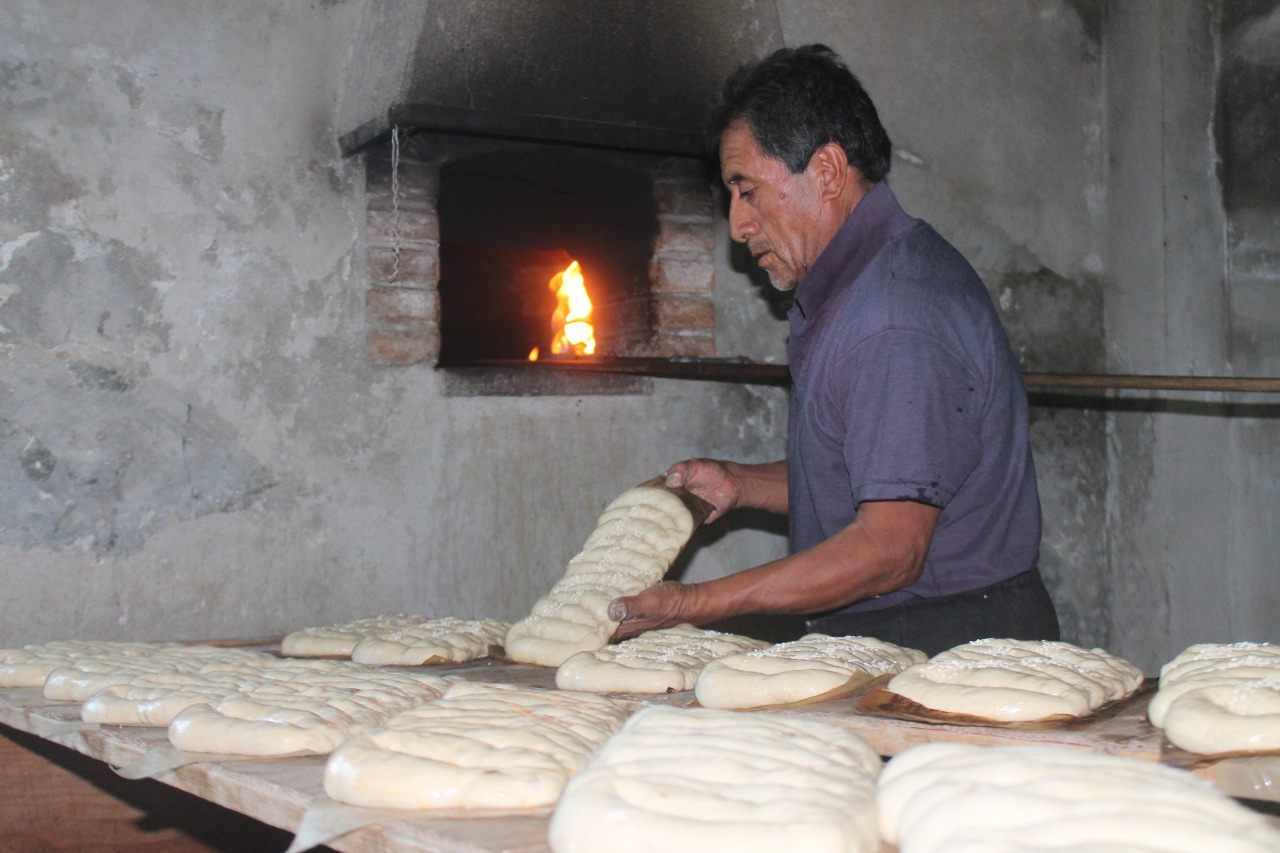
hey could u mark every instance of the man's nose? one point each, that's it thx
(741, 224)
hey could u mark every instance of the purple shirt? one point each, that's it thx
(905, 388)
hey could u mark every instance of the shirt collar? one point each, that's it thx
(875, 221)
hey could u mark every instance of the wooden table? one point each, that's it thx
(278, 791)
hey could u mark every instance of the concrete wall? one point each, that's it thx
(1194, 289)
(191, 444)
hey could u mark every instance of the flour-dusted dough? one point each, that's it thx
(143, 697)
(1220, 697)
(311, 707)
(154, 699)
(798, 670)
(722, 782)
(480, 746)
(636, 539)
(663, 661)
(435, 640)
(943, 798)
(84, 676)
(339, 640)
(1018, 680)
(30, 665)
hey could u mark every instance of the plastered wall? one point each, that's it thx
(192, 444)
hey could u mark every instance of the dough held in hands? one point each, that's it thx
(636, 539)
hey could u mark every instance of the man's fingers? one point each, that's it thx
(618, 609)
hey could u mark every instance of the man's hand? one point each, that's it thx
(729, 485)
(709, 479)
(669, 603)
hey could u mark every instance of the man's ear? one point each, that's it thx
(831, 167)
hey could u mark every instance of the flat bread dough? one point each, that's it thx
(432, 641)
(144, 698)
(30, 665)
(947, 797)
(801, 669)
(1018, 680)
(479, 747)
(84, 676)
(1220, 697)
(309, 707)
(663, 661)
(722, 782)
(636, 539)
(339, 640)
(154, 699)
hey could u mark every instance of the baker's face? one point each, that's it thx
(773, 211)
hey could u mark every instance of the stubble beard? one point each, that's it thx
(782, 286)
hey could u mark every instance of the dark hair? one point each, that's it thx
(795, 101)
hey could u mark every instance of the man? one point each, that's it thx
(909, 483)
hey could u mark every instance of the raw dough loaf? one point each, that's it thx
(801, 669)
(433, 640)
(155, 699)
(721, 781)
(340, 640)
(30, 665)
(480, 746)
(663, 661)
(943, 798)
(85, 676)
(636, 539)
(144, 698)
(1018, 680)
(311, 706)
(1220, 698)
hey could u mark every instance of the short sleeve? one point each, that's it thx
(912, 419)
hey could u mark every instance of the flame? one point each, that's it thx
(572, 318)
(533, 354)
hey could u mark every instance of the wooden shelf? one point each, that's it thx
(753, 372)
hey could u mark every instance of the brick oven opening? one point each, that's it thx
(512, 219)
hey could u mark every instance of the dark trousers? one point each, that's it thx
(1015, 609)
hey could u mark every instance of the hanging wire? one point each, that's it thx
(395, 202)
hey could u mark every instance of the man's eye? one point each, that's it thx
(745, 193)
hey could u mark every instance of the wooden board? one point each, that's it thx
(1122, 729)
(278, 791)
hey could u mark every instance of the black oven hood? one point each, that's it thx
(633, 75)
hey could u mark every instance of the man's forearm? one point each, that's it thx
(883, 551)
(763, 485)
